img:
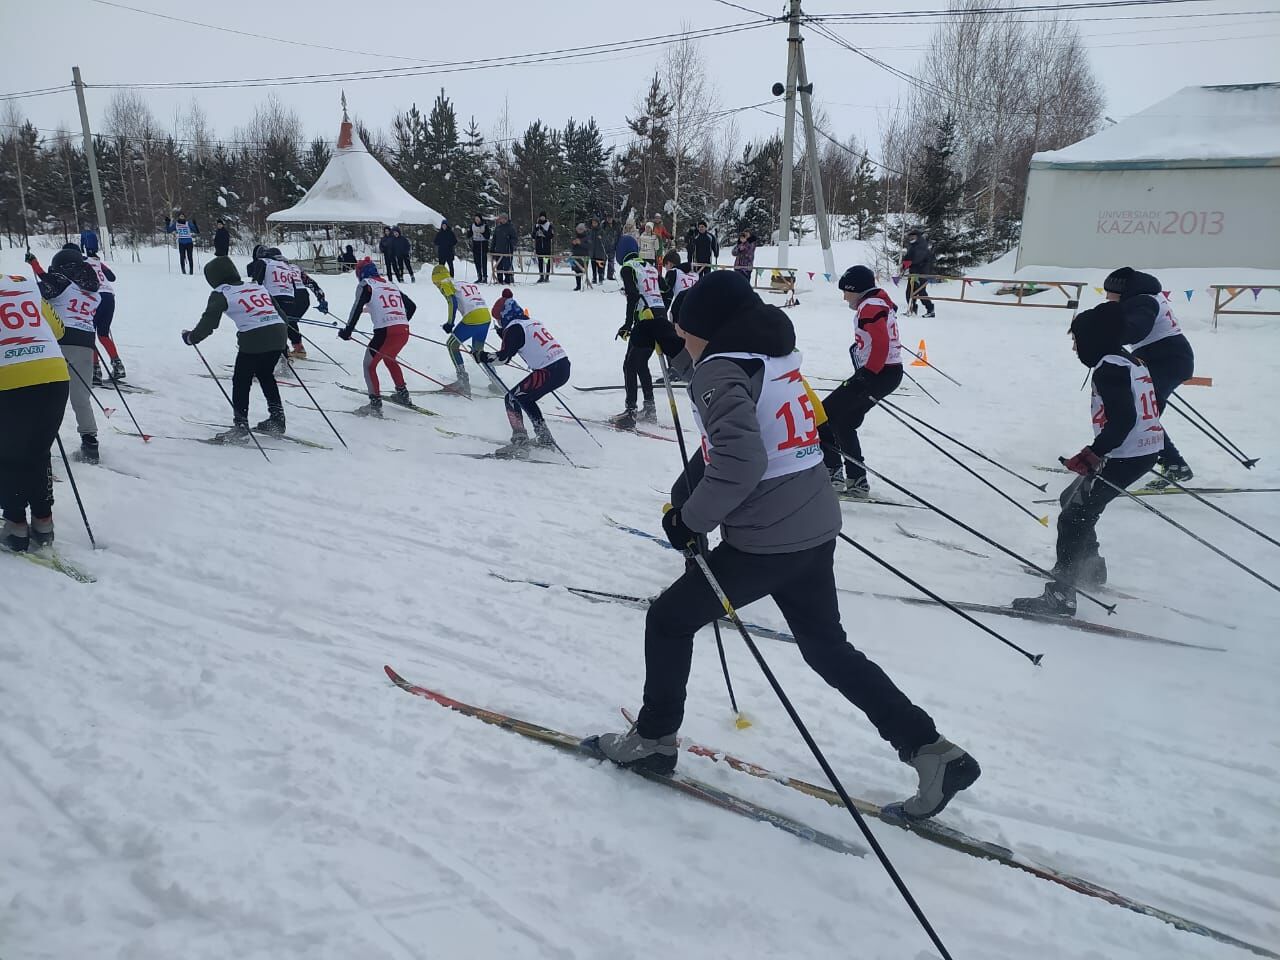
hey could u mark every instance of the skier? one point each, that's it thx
(468, 323)
(877, 361)
(186, 231)
(678, 278)
(646, 324)
(71, 288)
(288, 286)
(103, 316)
(917, 264)
(1156, 340)
(548, 370)
(479, 236)
(1127, 440)
(758, 478)
(33, 398)
(390, 310)
(261, 335)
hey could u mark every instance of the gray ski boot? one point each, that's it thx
(88, 452)
(371, 409)
(632, 750)
(401, 396)
(649, 412)
(274, 425)
(1170, 472)
(626, 420)
(460, 386)
(542, 435)
(42, 530)
(117, 369)
(856, 488)
(517, 449)
(239, 432)
(15, 536)
(944, 770)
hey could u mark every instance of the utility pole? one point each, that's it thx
(92, 159)
(815, 174)
(22, 194)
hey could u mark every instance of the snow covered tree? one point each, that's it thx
(538, 161)
(586, 173)
(754, 185)
(646, 164)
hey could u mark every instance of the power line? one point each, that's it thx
(1054, 8)
(42, 92)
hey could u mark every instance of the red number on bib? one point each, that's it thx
(17, 315)
(389, 301)
(1149, 405)
(784, 414)
(543, 338)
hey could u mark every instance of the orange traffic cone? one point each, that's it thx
(923, 359)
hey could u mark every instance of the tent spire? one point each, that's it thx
(344, 133)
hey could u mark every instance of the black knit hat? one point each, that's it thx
(1117, 280)
(858, 279)
(713, 301)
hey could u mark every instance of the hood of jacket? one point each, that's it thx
(758, 328)
(1098, 332)
(221, 270)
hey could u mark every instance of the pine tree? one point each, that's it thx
(586, 172)
(538, 183)
(866, 197)
(754, 184)
(475, 182)
(647, 164)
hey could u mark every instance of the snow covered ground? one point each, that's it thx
(200, 756)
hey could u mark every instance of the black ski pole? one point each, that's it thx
(818, 755)
(554, 393)
(922, 387)
(116, 383)
(1217, 436)
(1194, 536)
(1217, 509)
(229, 403)
(1035, 658)
(1042, 487)
(76, 490)
(929, 364)
(1109, 607)
(1043, 521)
(493, 373)
(740, 721)
(319, 409)
(325, 352)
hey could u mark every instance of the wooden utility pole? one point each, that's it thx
(92, 159)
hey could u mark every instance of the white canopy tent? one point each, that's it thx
(1192, 181)
(356, 188)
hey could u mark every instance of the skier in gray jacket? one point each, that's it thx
(758, 478)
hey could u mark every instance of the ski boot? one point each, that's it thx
(273, 426)
(239, 432)
(297, 352)
(461, 386)
(944, 770)
(649, 412)
(856, 488)
(88, 452)
(1058, 600)
(517, 449)
(371, 409)
(542, 435)
(42, 530)
(1090, 571)
(837, 479)
(1170, 472)
(626, 420)
(97, 373)
(15, 536)
(632, 750)
(401, 396)
(117, 369)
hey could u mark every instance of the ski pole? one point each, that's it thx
(818, 755)
(922, 387)
(379, 353)
(325, 352)
(1194, 536)
(489, 369)
(1217, 509)
(1042, 487)
(146, 438)
(1035, 658)
(319, 409)
(740, 721)
(1109, 607)
(1043, 521)
(575, 417)
(76, 490)
(929, 364)
(1221, 439)
(79, 376)
(229, 403)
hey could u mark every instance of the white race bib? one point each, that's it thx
(1147, 435)
(862, 339)
(540, 347)
(281, 279)
(249, 306)
(75, 308)
(104, 285)
(386, 305)
(24, 334)
(1165, 325)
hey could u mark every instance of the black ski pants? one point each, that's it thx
(29, 421)
(1170, 362)
(919, 288)
(847, 406)
(1082, 505)
(803, 586)
(635, 366)
(250, 367)
(186, 258)
(480, 254)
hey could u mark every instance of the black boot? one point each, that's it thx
(273, 426)
(88, 448)
(1058, 600)
(626, 420)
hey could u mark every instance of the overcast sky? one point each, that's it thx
(1138, 61)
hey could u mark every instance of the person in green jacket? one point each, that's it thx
(261, 337)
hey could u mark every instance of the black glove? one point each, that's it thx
(483, 356)
(624, 332)
(29, 257)
(680, 536)
(344, 334)
(323, 305)
(447, 327)
(186, 337)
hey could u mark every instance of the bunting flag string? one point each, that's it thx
(1166, 293)
(828, 277)
(810, 274)
(759, 270)
(1256, 291)
(1188, 293)
(1098, 291)
(896, 279)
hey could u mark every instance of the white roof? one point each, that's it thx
(1235, 125)
(356, 188)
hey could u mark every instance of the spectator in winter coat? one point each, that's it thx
(221, 240)
(186, 231)
(744, 253)
(88, 241)
(479, 236)
(918, 265)
(542, 234)
(579, 253)
(599, 255)
(404, 255)
(386, 247)
(689, 238)
(504, 245)
(648, 244)
(610, 232)
(347, 259)
(446, 242)
(706, 249)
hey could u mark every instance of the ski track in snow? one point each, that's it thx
(200, 755)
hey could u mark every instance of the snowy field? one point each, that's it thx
(200, 756)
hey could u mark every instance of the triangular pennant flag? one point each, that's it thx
(1188, 293)
(1166, 294)
(1098, 291)
(1234, 291)
(810, 274)
(827, 276)
(895, 280)
(1256, 291)
(966, 281)
(923, 359)
(984, 282)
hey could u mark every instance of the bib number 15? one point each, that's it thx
(807, 421)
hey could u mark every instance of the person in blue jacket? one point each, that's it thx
(88, 241)
(186, 231)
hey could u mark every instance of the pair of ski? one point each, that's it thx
(390, 403)
(637, 430)
(929, 830)
(455, 435)
(46, 557)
